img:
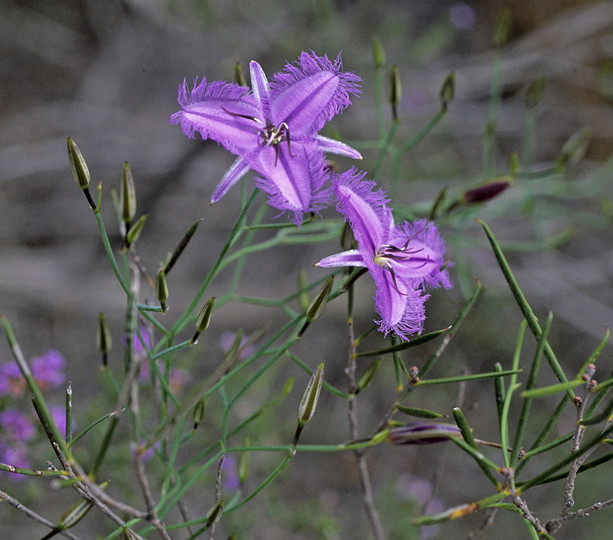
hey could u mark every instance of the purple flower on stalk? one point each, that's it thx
(48, 369)
(402, 259)
(273, 128)
(16, 425)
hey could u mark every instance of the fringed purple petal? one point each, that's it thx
(237, 170)
(294, 181)
(309, 93)
(366, 210)
(259, 85)
(227, 113)
(332, 146)
(426, 251)
(402, 309)
(346, 258)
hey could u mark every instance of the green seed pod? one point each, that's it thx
(535, 92)
(78, 167)
(203, 320)
(104, 341)
(239, 76)
(161, 289)
(367, 376)
(128, 195)
(447, 90)
(378, 53)
(503, 29)
(135, 231)
(198, 413)
(243, 467)
(309, 400)
(395, 91)
(318, 304)
(574, 149)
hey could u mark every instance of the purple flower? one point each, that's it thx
(48, 370)
(402, 259)
(273, 128)
(16, 455)
(11, 380)
(16, 425)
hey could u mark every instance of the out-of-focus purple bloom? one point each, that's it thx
(140, 346)
(462, 16)
(226, 340)
(176, 381)
(17, 425)
(15, 454)
(229, 474)
(11, 380)
(48, 369)
(273, 128)
(402, 259)
(420, 490)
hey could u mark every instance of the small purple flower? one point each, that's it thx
(462, 16)
(11, 380)
(48, 370)
(402, 259)
(229, 468)
(16, 455)
(273, 128)
(16, 425)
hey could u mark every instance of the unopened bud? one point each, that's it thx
(239, 76)
(535, 92)
(78, 167)
(378, 53)
(487, 191)
(135, 231)
(161, 289)
(76, 513)
(503, 29)
(104, 341)
(215, 513)
(422, 433)
(367, 376)
(395, 91)
(309, 400)
(243, 467)
(128, 195)
(182, 245)
(514, 163)
(574, 149)
(128, 534)
(198, 413)
(204, 318)
(318, 304)
(447, 90)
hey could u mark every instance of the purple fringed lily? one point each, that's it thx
(273, 128)
(402, 259)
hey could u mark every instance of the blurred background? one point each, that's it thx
(107, 73)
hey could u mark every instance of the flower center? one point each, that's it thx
(389, 256)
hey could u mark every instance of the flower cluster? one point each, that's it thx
(274, 130)
(17, 428)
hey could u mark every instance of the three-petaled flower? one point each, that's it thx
(402, 259)
(273, 128)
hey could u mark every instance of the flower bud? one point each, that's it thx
(161, 290)
(243, 467)
(76, 513)
(574, 149)
(128, 195)
(503, 29)
(215, 513)
(318, 304)
(487, 191)
(135, 231)
(198, 413)
(367, 376)
(447, 90)
(78, 167)
(203, 320)
(182, 245)
(239, 76)
(395, 91)
(535, 92)
(378, 53)
(422, 433)
(104, 340)
(309, 400)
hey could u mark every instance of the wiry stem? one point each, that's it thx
(369, 502)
